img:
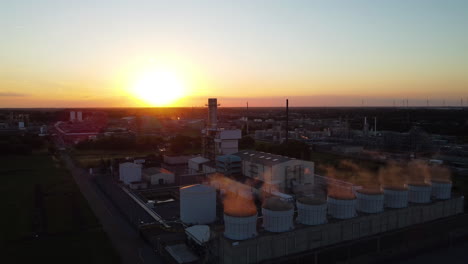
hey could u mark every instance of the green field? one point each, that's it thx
(45, 217)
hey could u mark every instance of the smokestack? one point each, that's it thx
(247, 118)
(366, 127)
(212, 113)
(375, 126)
(287, 120)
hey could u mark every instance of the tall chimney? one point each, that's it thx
(375, 126)
(247, 119)
(287, 120)
(212, 113)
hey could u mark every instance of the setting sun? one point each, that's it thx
(158, 87)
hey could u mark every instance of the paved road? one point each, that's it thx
(125, 239)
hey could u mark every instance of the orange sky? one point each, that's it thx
(322, 53)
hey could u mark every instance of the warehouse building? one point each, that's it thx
(277, 171)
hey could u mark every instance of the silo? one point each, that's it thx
(197, 204)
(395, 196)
(277, 215)
(441, 189)
(369, 200)
(419, 192)
(341, 207)
(311, 211)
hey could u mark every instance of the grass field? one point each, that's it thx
(45, 217)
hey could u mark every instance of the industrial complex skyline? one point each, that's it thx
(156, 53)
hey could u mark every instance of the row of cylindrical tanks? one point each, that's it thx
(278, 215)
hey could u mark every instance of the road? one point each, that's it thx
(125, 239)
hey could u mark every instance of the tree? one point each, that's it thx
(246, 142)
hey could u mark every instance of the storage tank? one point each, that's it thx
(311, 211)
(197, 204)
(419, 192)
(441, 189)
(341, 207)
(395, 196)
(240, 227)
(369, 200)
(129, 172)
(240, 216)
(277, 215)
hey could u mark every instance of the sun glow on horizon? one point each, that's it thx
(159, 87)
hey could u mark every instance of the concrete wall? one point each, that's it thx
(269, 245)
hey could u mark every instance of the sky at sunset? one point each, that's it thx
(316, 53)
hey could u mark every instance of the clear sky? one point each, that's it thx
(92, 52)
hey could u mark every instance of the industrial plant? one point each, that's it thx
(249, 206)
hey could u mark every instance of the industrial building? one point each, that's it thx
(158, 176)
(129, 172)
(277, 171)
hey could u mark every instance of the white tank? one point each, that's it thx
(369, 201)
(442, 189)
(395, 197)
(341, 208)
(129, 172)
(240, 227)
(311, 211)
(197, 204)
(277, 215)
(419, 193)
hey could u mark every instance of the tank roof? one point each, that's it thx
(370, 191)
(311, 201)
(197, 188)
(343, 197)
(395, 187)
(418, 184)
(275, 204)
(441, 181)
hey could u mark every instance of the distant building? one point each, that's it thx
(72, 116)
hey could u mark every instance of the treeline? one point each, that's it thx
(176, 145)
(292, 148)
(20, 144)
